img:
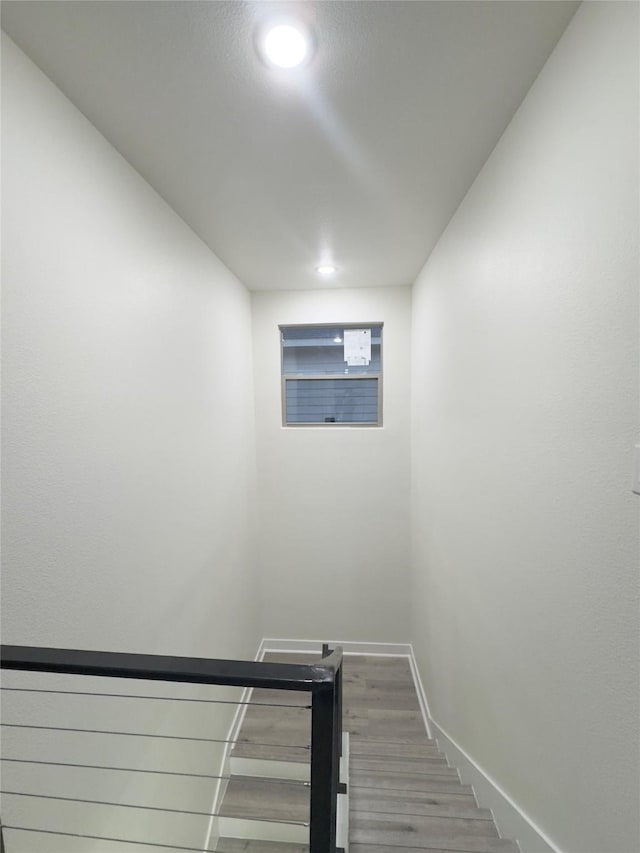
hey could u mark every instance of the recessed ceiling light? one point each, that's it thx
(326, 269)
(286, 46)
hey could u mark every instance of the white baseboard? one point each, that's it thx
(349, 647)
(422, 696)
(511, 820)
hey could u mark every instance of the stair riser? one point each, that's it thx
(230, 827)
(270, 769)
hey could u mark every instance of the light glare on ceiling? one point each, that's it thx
(286, 46)
(326, 269)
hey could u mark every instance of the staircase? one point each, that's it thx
(403, 795)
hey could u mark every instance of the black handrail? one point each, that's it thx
(228, 673)
(323, 680)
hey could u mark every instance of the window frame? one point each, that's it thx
(354, 377)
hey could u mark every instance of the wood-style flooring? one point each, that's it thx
(404, 796)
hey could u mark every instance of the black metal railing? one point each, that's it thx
(323, 680)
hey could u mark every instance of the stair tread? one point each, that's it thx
(256, 798)
(403, 765)
(403, 726)
(370, 698)
(427, 783)
(429, 827)
(462, 798)
(238, 845)
(402, 832)
(421, 748)
(276, 725)
(499, 845)
(266, 696)
(416, 803)
(266, 752)
(398, 843)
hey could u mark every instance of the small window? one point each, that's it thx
(332, 375)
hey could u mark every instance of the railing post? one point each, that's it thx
(339, 713)
(337, 719)
(324, 788)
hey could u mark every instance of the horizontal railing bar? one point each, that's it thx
(165, 698)
(145, 808)
(142, 770)
(145, 734)
(104, 838)
(230, 673)
(107, 838)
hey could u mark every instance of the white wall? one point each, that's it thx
(334, 502)
(128, 453)
(525, 410)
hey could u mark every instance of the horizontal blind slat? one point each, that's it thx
(316, 400)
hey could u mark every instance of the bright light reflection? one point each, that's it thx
(286, 46)
(354, 153)
(326, 269)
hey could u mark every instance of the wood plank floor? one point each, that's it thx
(404, 795)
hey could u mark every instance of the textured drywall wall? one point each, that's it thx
(525, 411)
(128, 441)
(333, 541)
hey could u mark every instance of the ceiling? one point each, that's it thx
(360, 158)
